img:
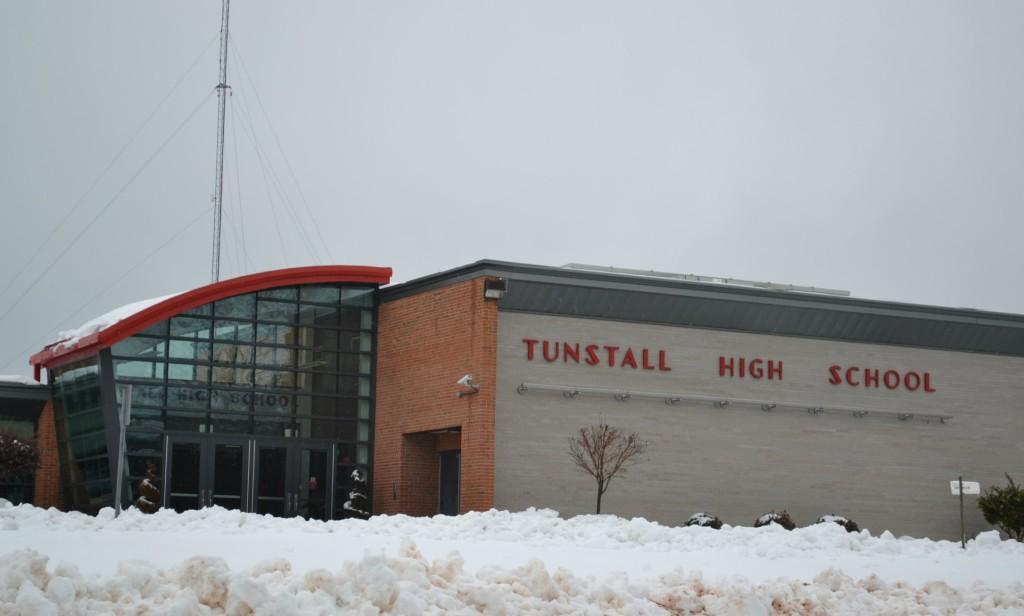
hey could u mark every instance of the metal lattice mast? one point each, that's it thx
(222, 97)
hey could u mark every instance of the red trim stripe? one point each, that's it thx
(55, 354)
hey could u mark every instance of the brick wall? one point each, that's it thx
(426, 342)
(47, 488)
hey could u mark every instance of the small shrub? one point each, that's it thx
(149, 494)
(775, 517)
(357, 505)
(848, 524)
(705, 520)
(1003, 507)
(19, 457)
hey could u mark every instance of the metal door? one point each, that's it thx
(202, 470)
(448, 463)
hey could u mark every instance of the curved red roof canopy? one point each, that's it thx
(58, 353)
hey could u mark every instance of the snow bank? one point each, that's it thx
(539, 527)
(71, 337)
(215, 561)
(408, 584)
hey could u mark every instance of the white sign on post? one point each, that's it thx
(970, 487)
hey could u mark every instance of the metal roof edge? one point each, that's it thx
(558, 275)
(23, 391)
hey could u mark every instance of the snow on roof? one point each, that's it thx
(71, 337)
(17, 378)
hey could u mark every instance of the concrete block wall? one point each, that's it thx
(737, 462)
(426, 342)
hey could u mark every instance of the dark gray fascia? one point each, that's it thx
(623, 297)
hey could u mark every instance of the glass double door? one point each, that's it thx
(282, 477)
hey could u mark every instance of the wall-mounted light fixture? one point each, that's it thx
(471, 387)
(573, 392)
(495, 288)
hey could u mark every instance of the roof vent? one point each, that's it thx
(753, 284)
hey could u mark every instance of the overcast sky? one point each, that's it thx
(870, 146)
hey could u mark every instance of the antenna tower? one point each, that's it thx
(222, 96)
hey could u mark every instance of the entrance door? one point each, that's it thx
(282, 477)
(313, 481)
(448, 482)
(228, 471)
(205, 471)
(293, 478)
(271, 489)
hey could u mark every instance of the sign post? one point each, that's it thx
(124, 417)
(961, 487)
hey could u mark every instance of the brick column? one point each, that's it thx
(47, 486)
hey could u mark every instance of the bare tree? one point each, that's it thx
(604, 452)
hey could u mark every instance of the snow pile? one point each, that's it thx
(215, 561)
(17, 379)
(410, 584)
(71, 337)
(537, 527)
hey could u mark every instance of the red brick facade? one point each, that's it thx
(47, 488)
(426, 342)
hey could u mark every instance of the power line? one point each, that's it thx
(97, 216)
(238, 184)
(284, 155)
(117, 280)
(279, 186)
(251, 133)
(103, 174)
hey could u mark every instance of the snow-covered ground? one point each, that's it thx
(495, 562)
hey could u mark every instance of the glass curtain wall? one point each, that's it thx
(81, 438)
(287, 362)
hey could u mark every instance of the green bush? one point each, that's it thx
(1003, 507)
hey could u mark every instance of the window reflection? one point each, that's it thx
(188, 372)
(186, 349)
(232, 330)
(276, 311)
(238, 307)
(190, 327)
(230, 353)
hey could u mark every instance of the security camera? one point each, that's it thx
(467, 381)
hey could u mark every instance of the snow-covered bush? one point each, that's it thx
(357, 505)
(775, 517)
(848, 524)
(19, 457)
(706, 520)
(1003, 507)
